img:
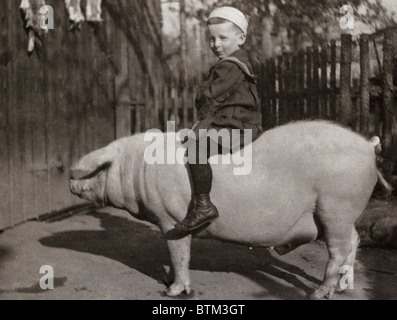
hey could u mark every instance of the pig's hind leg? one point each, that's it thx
(337, 217)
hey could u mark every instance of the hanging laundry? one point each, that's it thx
(76, 17)
(94, 10)
(31, 15)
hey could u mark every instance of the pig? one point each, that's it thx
(309, 180)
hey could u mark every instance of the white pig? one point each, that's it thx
(307, 178)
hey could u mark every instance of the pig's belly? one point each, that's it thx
(263, 213)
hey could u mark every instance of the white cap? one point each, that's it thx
(231, 14)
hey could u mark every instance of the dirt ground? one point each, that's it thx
(108, 255)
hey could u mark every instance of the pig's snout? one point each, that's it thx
(73, 187)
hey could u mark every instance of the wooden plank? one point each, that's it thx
(388, 88)
(263, 92)
(156, 107)
(27, 100)
(364, 84)
(281, 99)
(294, 88)
(186, 105)
(107, 109)
(65, 110)
(175, 112)
(122, 87)
(40, 140)
(5, 220)
(93, 107)
(355, 120)
(273, 95)
(377, 122)
(78, 86)
(316, 84)
(324, 114)
(31, 100)
(332, 102)
(138, 118)
(91, 80)
(287, 88)
(301, 85)
(271, 100)
(345, 112)
(269, 82)
(14, 74)
(309, 82)
(194, 94)
(147, 114)
(167, 106)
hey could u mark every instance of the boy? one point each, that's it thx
(228, 100)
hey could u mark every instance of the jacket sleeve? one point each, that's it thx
(226, 78)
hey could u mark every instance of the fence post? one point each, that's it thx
(308, 83)
(301, 85)
(175, 101)
(272, 88)
(324, 83)
(262, 87)
(364, 86)
(377, 124)
(186, 104)
(287, 88)
(316, 84)
(294, 88)
(167, 106)
(356, 113)
(156, 108)
(388, 88)
(138, 118)
(332, 102)
(194, 93)
(148, 105)
(345, 79)
(280, 77)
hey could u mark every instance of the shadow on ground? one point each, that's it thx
(3, 253)
(143, 249)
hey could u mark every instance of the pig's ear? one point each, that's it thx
(92, 164)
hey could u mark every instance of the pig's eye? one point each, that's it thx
(97, 171)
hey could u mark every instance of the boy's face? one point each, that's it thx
(224, 39)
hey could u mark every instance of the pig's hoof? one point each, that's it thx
(321, 293)
(177, 290)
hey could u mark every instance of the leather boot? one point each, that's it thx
(203, 212)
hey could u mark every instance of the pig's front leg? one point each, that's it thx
(180, 258)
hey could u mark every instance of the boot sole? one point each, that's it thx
(191, 229)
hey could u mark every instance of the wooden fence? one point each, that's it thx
(318, 84)
(69, 99)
